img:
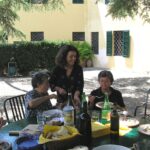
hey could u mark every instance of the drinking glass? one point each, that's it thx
(95, 115)
(40, 120)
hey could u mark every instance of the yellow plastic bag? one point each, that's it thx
(98, 129)
(47, 128)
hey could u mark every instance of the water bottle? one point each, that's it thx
(68, 112)
(106, 110)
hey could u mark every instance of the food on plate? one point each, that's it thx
(57, 134)
(147, 129)
(130, 122)
(4, 145)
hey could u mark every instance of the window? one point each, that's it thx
(95, 41)
(118, 43)
(38, 1)
(107, 1)
(37, 36)
(78, 1)
(78, 36)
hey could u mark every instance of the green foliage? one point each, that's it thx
(85, 50)
(8, 14)
(120, 9)
(30, 56)
(123, 8)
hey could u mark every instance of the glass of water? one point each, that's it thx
(95, 115)
(40, 120)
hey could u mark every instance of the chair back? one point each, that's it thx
(14, 108)
(144, 105)
(146, 102)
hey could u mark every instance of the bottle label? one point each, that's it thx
(69, 117)
(106, 114)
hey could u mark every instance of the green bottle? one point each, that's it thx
(83, 98)
(106, 110)
(80, 110)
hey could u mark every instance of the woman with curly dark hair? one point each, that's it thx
(67, 75)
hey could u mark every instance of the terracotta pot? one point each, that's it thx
(83, 63)
(89, 63)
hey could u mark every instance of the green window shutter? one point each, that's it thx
(109, 43)
(126, 44)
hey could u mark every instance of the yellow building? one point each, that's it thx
(117, 44)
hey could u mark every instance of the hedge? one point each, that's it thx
(30, 56)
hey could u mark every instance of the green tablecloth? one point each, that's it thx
(126, 140)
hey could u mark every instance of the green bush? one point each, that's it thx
(30, 56)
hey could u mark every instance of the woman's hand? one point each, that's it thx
(77, 99)
(53, 96)
(61, 90)
(91, 99)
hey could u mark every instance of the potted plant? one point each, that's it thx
(86, 53)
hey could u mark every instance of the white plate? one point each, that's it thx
(111, 147)
(144, 128)
(129, 121)
(101, 104)
(4, 145)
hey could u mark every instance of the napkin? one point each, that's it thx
(31, 129)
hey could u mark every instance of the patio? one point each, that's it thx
(133, 86)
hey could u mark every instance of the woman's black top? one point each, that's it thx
(114, 97)
(72, 83)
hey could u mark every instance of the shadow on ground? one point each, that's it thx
(133, 89)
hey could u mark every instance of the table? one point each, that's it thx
(15, 126)
(127, 140)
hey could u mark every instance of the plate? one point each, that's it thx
(4, 145)
(144, 128)
(27, 143)
(111, 147)
(129, 121)
(101, 104)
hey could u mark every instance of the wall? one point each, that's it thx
(90, 17)
(139, 44)
(56, 25)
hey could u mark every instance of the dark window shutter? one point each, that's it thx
(95, 42)
(126, 44)
(109, 43)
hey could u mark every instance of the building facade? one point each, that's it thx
(117, 44)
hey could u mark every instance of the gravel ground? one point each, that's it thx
(133, 86)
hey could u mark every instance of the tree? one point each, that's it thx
(8, 14)
(124, 8)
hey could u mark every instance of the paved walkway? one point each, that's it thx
(133, 85)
